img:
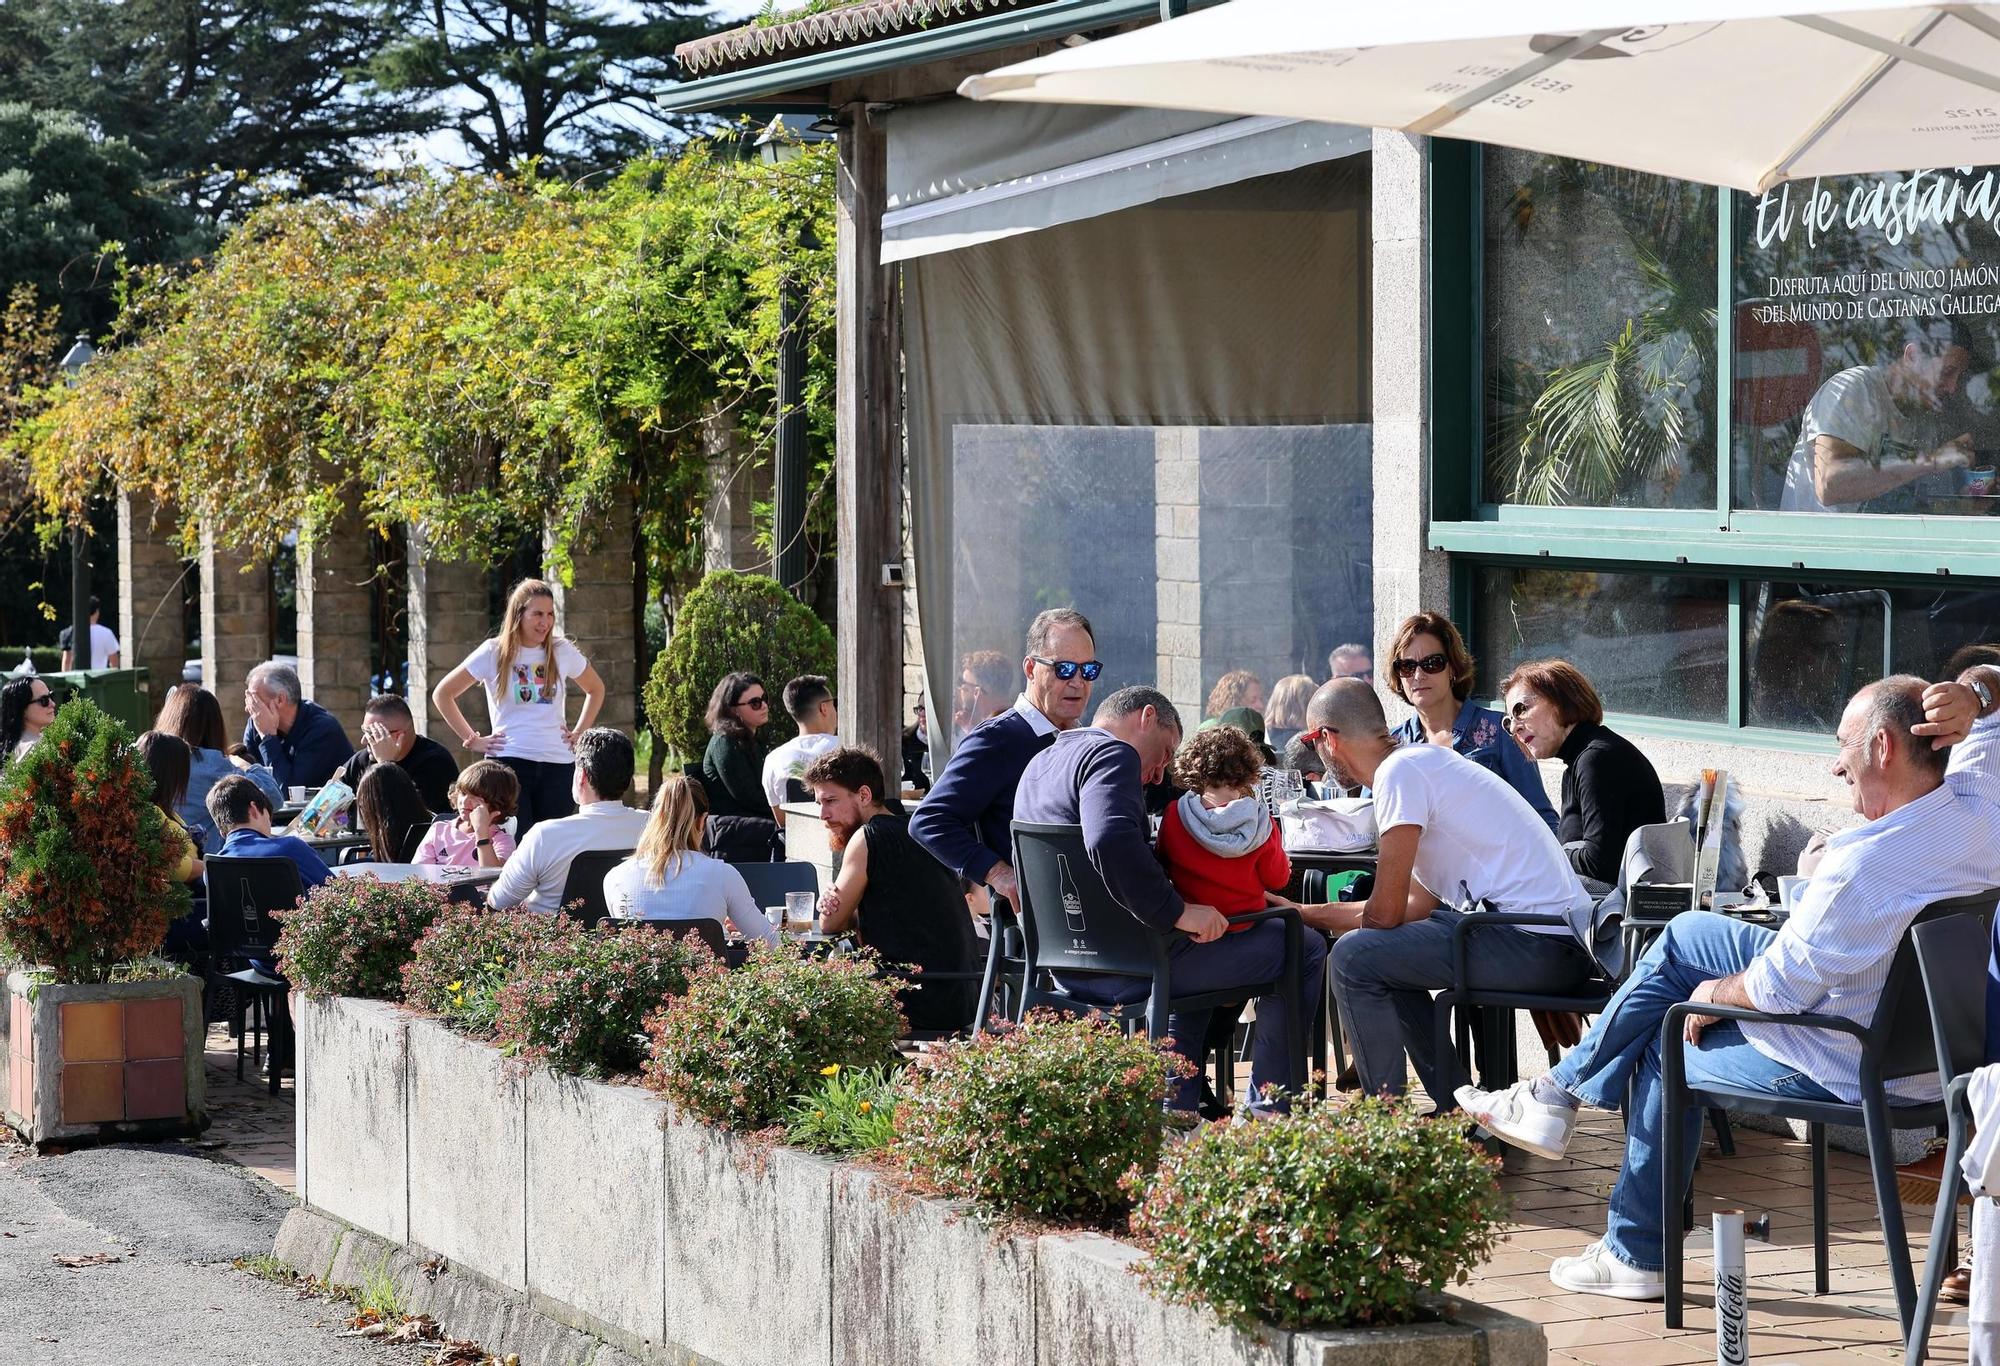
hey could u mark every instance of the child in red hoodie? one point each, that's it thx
(1220, 845)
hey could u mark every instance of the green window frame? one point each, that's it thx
(1730, 543)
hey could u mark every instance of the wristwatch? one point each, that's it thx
(483, 844)
(1984, 693)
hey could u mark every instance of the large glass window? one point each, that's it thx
(1600, 295)
(1864, 345)
(1652, 644)
(1810, 646)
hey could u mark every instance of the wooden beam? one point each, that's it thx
(868, 448)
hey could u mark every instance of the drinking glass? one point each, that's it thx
(799, 911)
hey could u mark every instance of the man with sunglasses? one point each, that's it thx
(967, 820)
(1455, 839)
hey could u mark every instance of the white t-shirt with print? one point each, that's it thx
(791, 760)
(1481, 841)
(529, 705)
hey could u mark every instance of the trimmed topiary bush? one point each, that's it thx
(86, 871)
(460, 963)
(352, 936)
(733, 621)
(1040, 1119)
(740, 1046)
(1330, 1216)
(580, 1001)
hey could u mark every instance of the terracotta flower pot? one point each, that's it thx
(117, 1059)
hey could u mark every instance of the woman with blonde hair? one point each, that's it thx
(1237, 688)
(1286, 716)
(525, 670)
(669, 878)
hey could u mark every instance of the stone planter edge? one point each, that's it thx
(871, 1257)
(43, 1003)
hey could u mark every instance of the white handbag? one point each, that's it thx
(1332, 825)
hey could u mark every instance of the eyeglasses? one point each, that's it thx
(1313, 737)
(760, 701)
(47, 699)
(1516, 712)
(1066, 669)
(1361, 674)
(1430, 664)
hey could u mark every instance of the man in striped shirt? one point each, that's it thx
(1923, 766)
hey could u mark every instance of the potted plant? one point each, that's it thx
(98, 1037)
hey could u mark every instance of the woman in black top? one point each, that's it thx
(1609, 787)
(732, 768)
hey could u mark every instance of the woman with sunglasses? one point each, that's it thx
(1429, 667)
(733, 765)
(26, 708)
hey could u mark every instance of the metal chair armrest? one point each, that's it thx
(1677, 1013)
(1462, 933)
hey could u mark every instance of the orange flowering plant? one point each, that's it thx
(86, 871)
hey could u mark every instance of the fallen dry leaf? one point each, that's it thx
(459, 1352)
(77, 1259)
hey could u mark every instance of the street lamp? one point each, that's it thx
(778, 143)
(80, 354)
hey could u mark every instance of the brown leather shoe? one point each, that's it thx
(1957, 1287)
(1918, 1182)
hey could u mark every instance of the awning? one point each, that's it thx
(963, 173)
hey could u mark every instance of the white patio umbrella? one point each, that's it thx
(1745, 93)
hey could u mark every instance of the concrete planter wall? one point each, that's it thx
(673, 1241)
(117, 1059)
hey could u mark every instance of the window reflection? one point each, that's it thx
(1600, 297)
(1810, 647)
(1654, 645)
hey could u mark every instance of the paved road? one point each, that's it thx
(177, 1220)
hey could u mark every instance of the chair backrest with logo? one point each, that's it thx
(1071, 921)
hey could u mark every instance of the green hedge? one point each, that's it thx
(733, 621)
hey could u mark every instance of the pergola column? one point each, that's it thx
(235, 622)
(152, 630)
(447, 619)
(335, 596)
(868, 449)
(598, 609)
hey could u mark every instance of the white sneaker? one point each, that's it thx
(1516, 1116)
(1594, 1271)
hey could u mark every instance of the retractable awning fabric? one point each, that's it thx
(1744, 93)
(961, 174)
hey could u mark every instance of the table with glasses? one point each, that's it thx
(465, 884)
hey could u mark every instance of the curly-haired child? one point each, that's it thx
(1220, 845)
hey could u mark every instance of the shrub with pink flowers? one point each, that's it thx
(1330, 1216)
(741, 1046)
(467, 955)
(351, 936)
(1041, 1119)
(579, 1002)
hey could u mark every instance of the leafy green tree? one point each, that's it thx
(568, 83)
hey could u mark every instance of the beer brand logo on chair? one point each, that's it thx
(1072, 904)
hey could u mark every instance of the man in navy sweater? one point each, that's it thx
(300, 741)
(965, 823)
(1094, 777)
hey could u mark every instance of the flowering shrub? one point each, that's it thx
(86, 871)
(351, 936)
(741, 1045)
(467, 955)
(1040, 1119)
(852, 1110)
(1328, 1216)
(579, 1002)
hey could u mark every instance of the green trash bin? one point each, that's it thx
(124, 693)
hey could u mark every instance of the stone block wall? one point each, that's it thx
(594, 609)
(447, 617)
(335, 595)
(235, 622)
(152, 632)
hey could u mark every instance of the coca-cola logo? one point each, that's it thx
(1732, 1333)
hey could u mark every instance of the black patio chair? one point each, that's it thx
(1006, 966)
(709, 932)
(1899, 1042)
(1072, 925)
(242, 893)
(1952, 955)
(585, 883)
(768, 882)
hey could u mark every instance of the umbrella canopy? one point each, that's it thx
(1745, 93)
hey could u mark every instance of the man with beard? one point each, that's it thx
(901, 901)
(1455, 839)
(1872, 430)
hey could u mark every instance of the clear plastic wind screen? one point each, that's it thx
(1160, 417)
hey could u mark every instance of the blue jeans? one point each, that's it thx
(1255, 955)
(1385, 979)
(1621, 1052)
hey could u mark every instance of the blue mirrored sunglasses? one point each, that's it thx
(1066, 669)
